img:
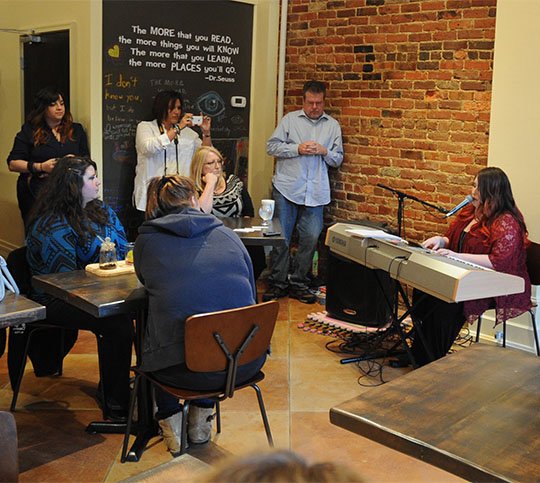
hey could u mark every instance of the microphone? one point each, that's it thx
(456, 208)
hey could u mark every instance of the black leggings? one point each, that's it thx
(440, 323)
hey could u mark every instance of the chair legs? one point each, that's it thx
(183, 443)
(132, 400)
(478, 326)
(218, 417)
(24, 359)
(263, 415)
(535, 331)
(185, 410)
(20, 375)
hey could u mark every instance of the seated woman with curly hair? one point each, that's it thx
(66, 227)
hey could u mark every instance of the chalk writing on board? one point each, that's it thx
(171, 46)
(120, 94)
(212, 55)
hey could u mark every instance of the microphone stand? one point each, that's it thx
(394, 304)
(398, 289)
(401, 201)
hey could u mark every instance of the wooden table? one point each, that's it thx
(474, 413)
(98, 296)
(17, 309)
(103, 297)
(256, 237)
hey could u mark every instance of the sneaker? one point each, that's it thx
(274, 293)
(200, 424)
(171, 430)
(303, 294)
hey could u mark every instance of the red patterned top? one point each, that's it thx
(505, 243)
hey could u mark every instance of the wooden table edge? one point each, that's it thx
(106, 310)
(412, 447)
(37, 312)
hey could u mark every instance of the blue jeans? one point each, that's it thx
(308, 221)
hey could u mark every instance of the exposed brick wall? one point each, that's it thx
(410, 83)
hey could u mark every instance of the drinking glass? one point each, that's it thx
(265, 212)
(129, 253)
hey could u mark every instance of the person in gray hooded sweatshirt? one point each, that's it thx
(189, 263)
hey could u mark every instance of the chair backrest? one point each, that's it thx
(9, 459)
(202, 351)
(19, 269)
(533, 262)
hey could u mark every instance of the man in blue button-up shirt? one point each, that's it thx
(305, 143)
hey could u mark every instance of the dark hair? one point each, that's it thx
(315, 87)
(61, 196)
(43, 99)
(163, 102)
(496, 197)
(168, 194)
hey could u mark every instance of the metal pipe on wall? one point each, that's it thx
(282, 54)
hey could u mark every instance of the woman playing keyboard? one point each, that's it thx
(490, 232)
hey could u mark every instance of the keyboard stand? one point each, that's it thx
(397, 328)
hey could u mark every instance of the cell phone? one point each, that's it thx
(271, 233)
(196, 120)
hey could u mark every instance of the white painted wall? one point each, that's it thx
(515, 126)
(515, 110)
(41, 17)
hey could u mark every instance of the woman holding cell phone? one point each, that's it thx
(166, 144)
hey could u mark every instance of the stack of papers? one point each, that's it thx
(373, 233)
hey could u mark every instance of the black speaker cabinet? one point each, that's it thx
(358, 294)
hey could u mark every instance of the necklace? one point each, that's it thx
(56, 134)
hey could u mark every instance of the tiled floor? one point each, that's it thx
(304, 380)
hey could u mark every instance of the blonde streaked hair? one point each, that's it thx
(278, 466)
(169, 194)
(197, 164)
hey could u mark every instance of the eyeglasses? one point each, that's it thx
(216, 162)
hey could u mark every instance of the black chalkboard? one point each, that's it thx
(200, 48)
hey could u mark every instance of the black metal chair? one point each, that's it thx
(533, 268)
(227, 339)
(20, 338)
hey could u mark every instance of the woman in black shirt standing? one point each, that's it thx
(49, 133)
